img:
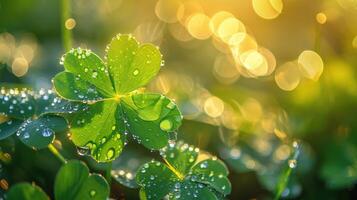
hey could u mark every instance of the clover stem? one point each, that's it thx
(108, 172)
(56, 153)
(66, 33)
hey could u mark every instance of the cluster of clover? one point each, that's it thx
(103, 104)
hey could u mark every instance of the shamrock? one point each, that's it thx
(183, 175)
(117, 106)
(33, 116)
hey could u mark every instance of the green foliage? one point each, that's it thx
(26, 191)
(117, 107)
(183, 175)
(34, 116)
(339, 169)
(273, 162)
(74, 182)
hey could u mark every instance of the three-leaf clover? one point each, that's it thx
(183, 175)
(117, 106)
(33, 116)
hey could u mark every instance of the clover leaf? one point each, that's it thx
(117, 107)
(33, 116)
(73, 181)
(26, 191)
(183, 175)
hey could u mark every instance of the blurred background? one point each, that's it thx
(265, 85)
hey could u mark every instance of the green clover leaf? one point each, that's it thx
(73, 181)
(117, 108)
(33, 116)
(182, 176)
(26, 191)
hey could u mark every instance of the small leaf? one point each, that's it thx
(101, 133)
(154, 113)
(212, 172)
(47, 102)
(181, 178)
(17, 104)
(74, 182)
(90, 68)
(74, 88)
(26, 191)
(131, 65)
(9, 127)
(190, 190)
(181, 156)
(156, 179)
(39, 133)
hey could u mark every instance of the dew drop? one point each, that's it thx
(135, 72)
(292, 163)
(165, 125)
(82, 151)
(47, 132)
(92, 193)
(95, 74)
(203, 165)
(110, 153)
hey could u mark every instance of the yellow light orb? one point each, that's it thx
(186, 10)
(70, 24)
(19, 66)
(267, 9)
(242, 42)
(321, 18)
(270, 58)
(213, 106)
(254, 62)
(224, 69)
(217, 19)
(251, 110)
(168, 11)
(287, 76)
(198, 26)
(228, 28)
(310, 65)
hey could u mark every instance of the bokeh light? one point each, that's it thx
(310, 65)
(321, 18)
(267, 9)
(214, 106)
(198, 26)
(168, 11)
(287, 76)
(70, 23)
